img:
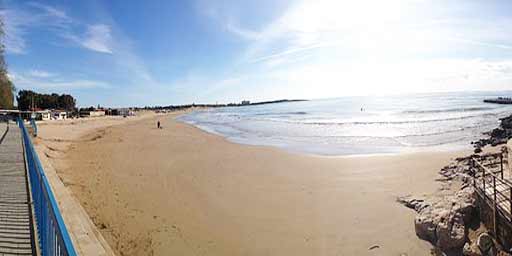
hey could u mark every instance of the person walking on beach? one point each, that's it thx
(158, 124)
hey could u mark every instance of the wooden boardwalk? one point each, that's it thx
(16, 235)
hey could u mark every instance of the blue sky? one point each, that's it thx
(125, 53)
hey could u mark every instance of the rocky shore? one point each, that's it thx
(497, 136)
(449, 219)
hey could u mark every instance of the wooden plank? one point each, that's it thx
(15, 225)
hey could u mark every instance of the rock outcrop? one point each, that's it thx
(497, 136)
(414, 203)
(485, 244)
(443, 219)
(471, 249)
(444, 223)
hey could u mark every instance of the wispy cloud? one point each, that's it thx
(52, 16)
(295, 50)
(16, 24)
(43, 80)
(14, 40)
(97, 38)
(344, 47)
(20, 21)
(103, 37)
(243, 32)
(486, 44)
(40, 73)
(389, 28)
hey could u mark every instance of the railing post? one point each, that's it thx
(473, 170)
(501, 165)
(51, 228)
(495, 211)
(483, 181)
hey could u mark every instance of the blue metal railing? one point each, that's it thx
(52, 233)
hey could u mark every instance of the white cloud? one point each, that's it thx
(103, 37)
(327, 48)
(327, 80)
(40, 73)
(98, 38)
(19, 22)
(52, 12)
(74, 84)
(47, 81)
(243, 32)
(15, 26)
(349, 25)
(390, 29)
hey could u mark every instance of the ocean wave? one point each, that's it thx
(281, 113)
(450, 110)
(337, 127)
(378, 122)
(469, 129)
(436, 143)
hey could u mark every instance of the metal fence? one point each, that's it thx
(52, 233)
(495, 195)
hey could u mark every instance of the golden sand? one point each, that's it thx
(182, 191)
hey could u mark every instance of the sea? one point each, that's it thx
(349, 126)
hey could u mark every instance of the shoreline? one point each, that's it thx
(286, 177)
(447, 148)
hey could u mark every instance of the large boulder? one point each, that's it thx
(443, 223)
(506, 123)
(486, 244)
(451, 233)
(425, 225)
(471, 249)
(498, 133)
(464, 203)
(497, 136)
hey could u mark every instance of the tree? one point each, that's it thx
(6, 87)
(66, 101)
(27, 100)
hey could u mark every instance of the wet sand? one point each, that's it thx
(182, 191)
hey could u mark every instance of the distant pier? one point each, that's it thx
(499, 100)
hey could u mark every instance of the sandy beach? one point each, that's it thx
(182, 191)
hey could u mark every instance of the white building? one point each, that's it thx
(59, 115)
(125, 112)
(42, 115)
(92, 113)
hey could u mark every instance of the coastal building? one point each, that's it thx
(120, 112)
(92, 112)
(246, 102)
(42, 115)
(59, 114)
(125, 112)
(47, 114)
